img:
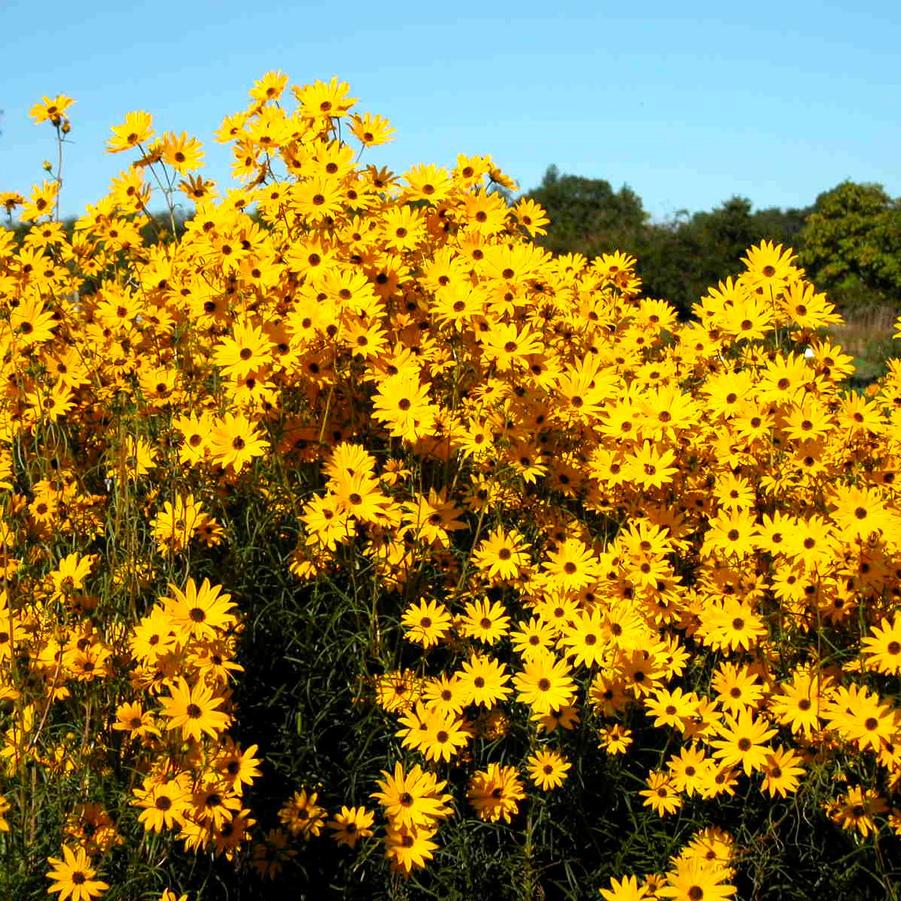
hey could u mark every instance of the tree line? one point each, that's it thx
(848, 240)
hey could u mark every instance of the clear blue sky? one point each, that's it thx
(688, 104)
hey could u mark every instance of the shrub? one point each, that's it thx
(353, 542)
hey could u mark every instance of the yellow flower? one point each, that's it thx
(302, 815)
(325, 100)
(625, 889)
(495, 793)
(136, 129)
(545, 683)
(235, 441)
(371, 130)
(51, 109)
(692, 879)
(547, 769)
(73, 876)
(194, 710)
(408, 847)
(199, 612)
(350, 825)
(661, 795)
(426, 622)
(413, 799)
(485, 621)
(743, 741)
(181, 152)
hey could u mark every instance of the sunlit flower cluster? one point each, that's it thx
(577, 514)
(703, 869)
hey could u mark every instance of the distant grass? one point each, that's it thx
(867, 336)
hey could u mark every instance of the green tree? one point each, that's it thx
(677, 259)
(679, 263)
(851, 246)
(681, 258)
(781, 226)
(588, 216)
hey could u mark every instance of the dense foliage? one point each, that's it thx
(849, 240)
(353, 544)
